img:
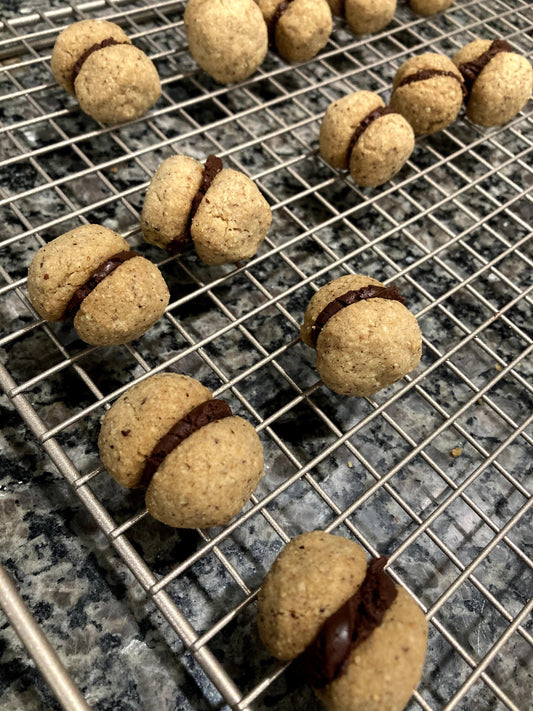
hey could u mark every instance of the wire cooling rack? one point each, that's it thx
(433, 472)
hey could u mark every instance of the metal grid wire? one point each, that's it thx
(453, 230)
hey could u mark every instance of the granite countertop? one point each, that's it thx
(113, 639)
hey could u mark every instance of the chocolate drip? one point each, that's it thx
(352, 297)
(212, 167)
(423, 74)
(471, 70)
(100, 273)
(278, 12)
(326, 657)
(365, 123)
(203, 414)
(109, 42)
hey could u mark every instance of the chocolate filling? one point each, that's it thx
(326, 657)
(212, 167)
(203, 414)
(471, 70)
(423, 74)
(352, 297)
(99, 274)
(365, 123)
(278, 12)
(109, 42)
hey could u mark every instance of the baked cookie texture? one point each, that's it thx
(301, 30)
(230, 221)
(364, 16)
(429, 7)
(227, 39)
(203, 481)
(358, 132)
(313, 576)
(119, 308)
(365, 346)
(428, 91)
(501, 88)
(113, 81)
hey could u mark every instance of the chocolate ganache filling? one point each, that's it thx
(471, 70)
(99, 274)
(326, 657)
(109, 42)
(212, 167)
(364, 124)
(423, 74)
(352, 297)
(278, 12)
(203, 414)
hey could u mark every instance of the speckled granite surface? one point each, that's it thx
(113, 639)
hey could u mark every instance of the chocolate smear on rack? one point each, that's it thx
(363, 125)
(471, 70)
(352, 297)
(97, 276)
(423, 74)
(326, 658)
(203, 414)
(109, 42)
(212, 167)
(278, 12)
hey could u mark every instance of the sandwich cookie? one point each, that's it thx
(428, 91)
(227, 39)
(113, 80)
(499, 81)
(199, 462)
(361, 134)
(220, 210)
(358, 639)
(297, 29)
(90, 275)
(365, 339)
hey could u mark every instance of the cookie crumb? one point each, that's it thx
(456, 452)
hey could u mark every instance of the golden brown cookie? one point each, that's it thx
(360, 133)
(199, 462)
(364, 16)
(298, 29)
(365, 339)
(429, 7)
(227, 39)
(499, 81)
(358, 638)
(220, 210)
(113, 81)
(90, 275)
(428, 91)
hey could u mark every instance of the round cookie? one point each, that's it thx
(499, 81)
(89, 274)
(113, 80)
(428, 91)
(303, 602)
(364, 16)
(358, 132)
(298, 29)
(221, 210)
(228, 40)
(200, 463)
(429, 7)
(363, 346)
